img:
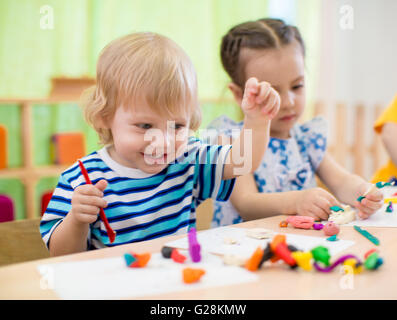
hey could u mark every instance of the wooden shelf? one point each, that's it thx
(30, 174)
(37, 172)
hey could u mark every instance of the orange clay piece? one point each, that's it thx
(191, 275)
(253, 262)
(141, 260)
(283, 224)
(279, 238)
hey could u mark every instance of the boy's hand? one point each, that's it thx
(260, 100)
(372, 202)
(315, 202)
(86, 201)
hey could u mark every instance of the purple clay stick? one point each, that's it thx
(339, 261)
(194, 246)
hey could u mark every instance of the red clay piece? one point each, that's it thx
(177, 257)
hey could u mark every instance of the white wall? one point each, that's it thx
(358, 64)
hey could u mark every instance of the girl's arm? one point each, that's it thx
(347, 187)
(389, 134)
(252, 204)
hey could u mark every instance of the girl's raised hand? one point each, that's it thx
(260, 100)
(372, 202)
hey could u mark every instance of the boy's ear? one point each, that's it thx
(237, 92)
(103, 122)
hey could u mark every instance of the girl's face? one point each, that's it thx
(284, 69)
(145, 140)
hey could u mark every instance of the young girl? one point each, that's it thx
(386, 125)
(272, 51)
(150, 176)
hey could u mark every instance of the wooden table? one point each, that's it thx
(22, 281)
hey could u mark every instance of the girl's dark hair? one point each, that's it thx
(261, 34)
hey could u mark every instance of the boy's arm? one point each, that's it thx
(260, 104)
(389, 134)
(68, 237)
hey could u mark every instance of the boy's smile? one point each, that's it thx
(144, 139)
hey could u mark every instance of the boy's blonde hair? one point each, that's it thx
(142, 65)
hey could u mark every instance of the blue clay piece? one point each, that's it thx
(129, 259)
(333, 238)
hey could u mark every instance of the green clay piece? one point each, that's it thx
(389, 207)
(333, 238)
(321, 254)
(360, 198)
(371, 261)
(380, 184)
(336, 208)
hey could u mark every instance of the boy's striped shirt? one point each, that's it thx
(144, 206)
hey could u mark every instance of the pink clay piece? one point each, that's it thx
(331, 229)
(301, 222)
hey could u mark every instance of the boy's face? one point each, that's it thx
(145, 140)
(284, 70)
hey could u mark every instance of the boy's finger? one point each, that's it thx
(101, 185)
(88, 209)
(90, 190)
(94, 201)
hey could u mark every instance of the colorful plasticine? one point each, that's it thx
(329, 268)
(318, 226)
(194, 246)
(303, 259)
(191, 275)
(336, 208)
(177, 257)
(136, 260)
(302, 222)
(129, 259)
(390, 207)
(321, 254)
(278, 249)
(253, 262)
(284, 253)
(166, 252)
(331, 229)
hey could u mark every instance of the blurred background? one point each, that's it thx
(351, 52)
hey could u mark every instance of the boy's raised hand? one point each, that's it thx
(260, 100)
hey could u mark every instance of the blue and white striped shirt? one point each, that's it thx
(144, 206)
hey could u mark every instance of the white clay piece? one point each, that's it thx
(259, 233)
(343, 217)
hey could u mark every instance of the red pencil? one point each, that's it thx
(111, 233)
